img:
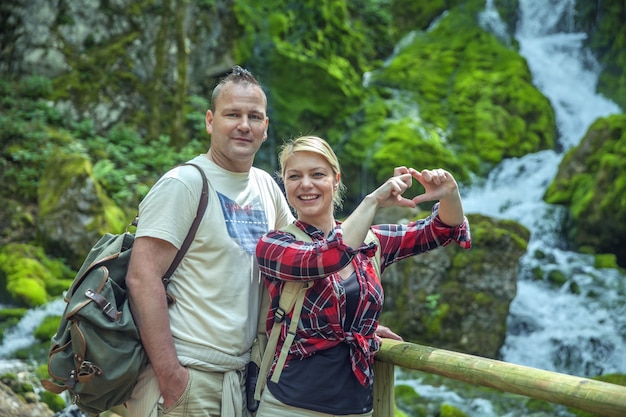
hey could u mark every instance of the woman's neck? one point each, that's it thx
(324, 225)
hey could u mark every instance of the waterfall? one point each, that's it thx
(557, 329)
(21, 335)
(573, 332)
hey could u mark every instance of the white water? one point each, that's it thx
(21, 336)
(549, 328)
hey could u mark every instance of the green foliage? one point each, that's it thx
(127, 167)
(311, 61)
(411, 15)
(31, 132)
(35, 87)
(28, 135)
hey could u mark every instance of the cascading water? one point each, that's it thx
(575, 332)
(21, 336)
(552, 329)
(579, 332)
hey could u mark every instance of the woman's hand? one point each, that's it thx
(390, 193)
(438, 184)
(386, 332)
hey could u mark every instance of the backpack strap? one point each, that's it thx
(202, 205)
(292, 296)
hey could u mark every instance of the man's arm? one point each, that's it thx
(149, 261)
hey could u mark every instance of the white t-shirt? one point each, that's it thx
(217, 283)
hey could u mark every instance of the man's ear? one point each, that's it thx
(267, 124)
(208, 121)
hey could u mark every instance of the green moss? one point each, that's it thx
(496, 112)
(63, 172)
(618, 379)
(9, 320)
(317, 52)
(556, 277)
(47, 328)
(603, 21)
(447, 410)
(28, 291)
(434, 320)
(409, 401)
(31, 277)
(591, 182)
(487, 231)
(55, 402)
(605, 261)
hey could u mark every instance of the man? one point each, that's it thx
(199, 346)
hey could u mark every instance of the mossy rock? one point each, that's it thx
(604, 23)
(475, 89)
(448, 410)
(54, 401)
(74, 209)
(454, 298)
(31, 277)
(47, 328)
(591, 183)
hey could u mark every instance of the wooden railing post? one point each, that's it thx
(600, 398)
(384, 401)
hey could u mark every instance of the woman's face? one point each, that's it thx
(310, 184)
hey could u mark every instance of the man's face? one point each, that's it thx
(238, 127)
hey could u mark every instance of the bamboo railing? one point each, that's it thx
(600, 398)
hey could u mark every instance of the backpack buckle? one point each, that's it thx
(279, 315)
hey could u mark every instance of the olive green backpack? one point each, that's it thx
(96, 354)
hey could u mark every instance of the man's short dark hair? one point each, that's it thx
(238, 75)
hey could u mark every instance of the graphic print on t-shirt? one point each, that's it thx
(245, 224)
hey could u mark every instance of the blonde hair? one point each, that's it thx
(319, 146)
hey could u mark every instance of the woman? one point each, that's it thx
(329, 365)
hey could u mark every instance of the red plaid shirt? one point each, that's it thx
(282, 258)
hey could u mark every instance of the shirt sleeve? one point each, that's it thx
(399, 241)
(168, 210)
(280, 255)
